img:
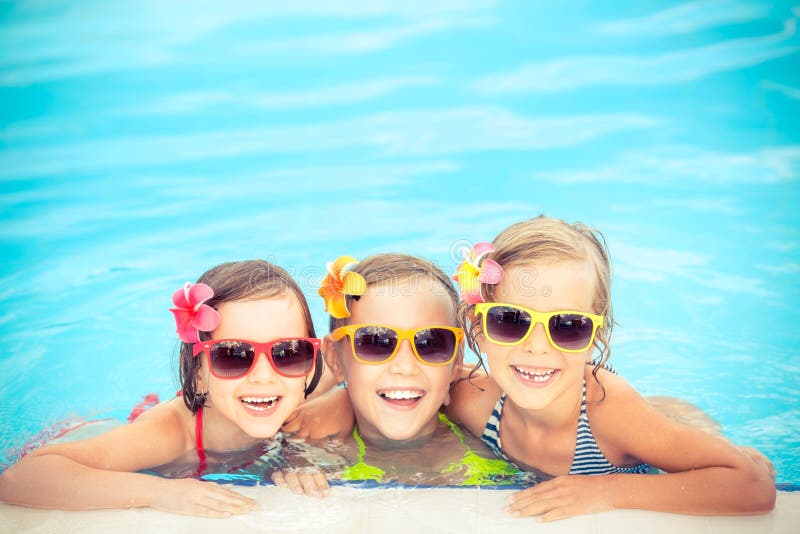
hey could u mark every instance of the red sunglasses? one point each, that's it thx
(234, 358)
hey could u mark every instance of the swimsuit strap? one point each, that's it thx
(454, 427)
(588, 458)
(478, 470)
(491, 432)
(198, 433)
(583, 401)
(362, 470)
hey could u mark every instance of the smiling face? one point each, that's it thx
(397, 400)
(256, 404)
(534, 374)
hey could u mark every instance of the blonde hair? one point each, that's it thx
(545, 239)
(401, 273)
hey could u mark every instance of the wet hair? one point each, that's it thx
(541, 240)
(242, 280)
(401, 273)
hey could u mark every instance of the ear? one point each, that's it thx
(332, 358)
(458, 365)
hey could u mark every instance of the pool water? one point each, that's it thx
(142, 143)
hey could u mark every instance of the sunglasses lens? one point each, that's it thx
(506, 324)
(374, 343)
(293, 357)
(230, 359)
(435, 345)
(571, 331)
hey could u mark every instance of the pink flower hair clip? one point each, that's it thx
(475, 270)
(191, 313)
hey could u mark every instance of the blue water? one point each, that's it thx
(143, 142)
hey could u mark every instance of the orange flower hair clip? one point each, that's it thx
(341, 281)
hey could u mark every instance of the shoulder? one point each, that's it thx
(614, 407)
(171, 420)
(472, 402)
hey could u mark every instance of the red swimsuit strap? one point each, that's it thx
(198, 432)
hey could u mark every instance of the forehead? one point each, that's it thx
(261, 319)
(551, 286)
(405, 303)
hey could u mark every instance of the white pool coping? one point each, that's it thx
(385, 511)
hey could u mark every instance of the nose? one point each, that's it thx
(537, 342)
(404, 362)
(262, 371)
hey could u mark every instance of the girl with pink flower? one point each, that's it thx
(248, 358)
(539, 307)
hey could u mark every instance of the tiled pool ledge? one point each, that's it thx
(408, 511)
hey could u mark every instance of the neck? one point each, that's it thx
(374, 438)
(220, 434)
(563, 411)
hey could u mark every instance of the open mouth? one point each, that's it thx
(260, 404)
(535, 376)
(401, 398)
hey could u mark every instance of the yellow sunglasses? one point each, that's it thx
(510, 324)
(374, 344)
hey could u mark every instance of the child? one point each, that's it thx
(537, 303)
(249, 356)
(396, 347)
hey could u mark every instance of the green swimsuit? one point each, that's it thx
(478, 470)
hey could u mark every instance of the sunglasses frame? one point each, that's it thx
(402, 333)
(265, 348)
(537, 317)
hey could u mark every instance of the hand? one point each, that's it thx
(330, 415)
(561, 497)
(195, 497)
(759, 459)
(306, 482)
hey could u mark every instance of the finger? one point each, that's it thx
(314, 483)
(538, 491)
(233, 497)
(292, 482)
(534, 507)
(559, 513)
(527, 501)
(322, 483)
(278, 479)
(224, 502)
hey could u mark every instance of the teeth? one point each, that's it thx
(260, 404)
(536, 376)
(400, 394)
(259, 399)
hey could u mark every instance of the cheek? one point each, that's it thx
(439, 379)
(495, 353)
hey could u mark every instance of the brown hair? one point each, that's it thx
(544, 239)
(402, 272)
(241, 280)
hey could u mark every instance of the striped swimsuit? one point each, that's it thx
(588, 459)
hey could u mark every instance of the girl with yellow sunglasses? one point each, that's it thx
(537, 303)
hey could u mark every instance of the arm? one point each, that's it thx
(97, 473)
(328, 416)
(471, 403)
(705, 474)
